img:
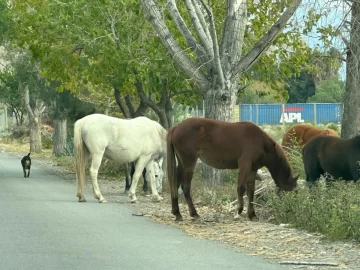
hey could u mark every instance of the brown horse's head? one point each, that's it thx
(290, 184)
(281, 171)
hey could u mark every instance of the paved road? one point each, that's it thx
(42, 226)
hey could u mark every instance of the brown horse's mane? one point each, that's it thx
(282, 157)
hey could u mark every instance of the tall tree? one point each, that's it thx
(215, 58)
(27, 78)
(351, 116)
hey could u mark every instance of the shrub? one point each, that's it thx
(46, 142)
(332, 210)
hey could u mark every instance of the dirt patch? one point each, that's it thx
(258, 238)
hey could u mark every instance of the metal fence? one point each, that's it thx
(273, 114)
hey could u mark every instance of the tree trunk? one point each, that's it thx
(34, 121)
(351, 117)
(59, 136)
(221, 107)
(35, 135)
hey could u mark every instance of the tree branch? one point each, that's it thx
(112, 21)
(201, 17)
(119, 103)
(215, 44)
(27, 102)
(259, 49)
(234, 29)
(129, 105)
(179, 57)
(204, 39)
(144, 98)
(141, 110)
(184, 30)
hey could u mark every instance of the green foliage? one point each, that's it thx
(261, 93)
(65, 105)
(10, 93)
(69, 148)
(331, 210)
(47, 142)
(319, 67)
(5, 20)
(330, 91)
(334, 127)
(95, 45)
(300, 87)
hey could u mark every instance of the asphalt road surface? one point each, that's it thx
(42, 226)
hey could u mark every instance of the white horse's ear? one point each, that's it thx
(161, 160)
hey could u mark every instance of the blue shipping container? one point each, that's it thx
(275, 114)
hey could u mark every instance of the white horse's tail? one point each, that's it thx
(79, 149)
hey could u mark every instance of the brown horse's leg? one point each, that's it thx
(186, 187)
(185, 171)
(250, 188)
(244, 169)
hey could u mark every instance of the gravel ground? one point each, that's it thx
(259, 238)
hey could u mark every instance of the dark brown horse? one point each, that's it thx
(301, 134)
(336, 156)
(223, 145)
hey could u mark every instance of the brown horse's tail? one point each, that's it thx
(171, 165)
(79, 149)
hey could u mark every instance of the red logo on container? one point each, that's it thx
(293, 109)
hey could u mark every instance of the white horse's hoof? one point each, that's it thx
(103, 201)
(132, 197)
(237, 217)
(133, 200)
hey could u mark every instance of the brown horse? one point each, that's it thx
(223, 145)
(336, 156)
(301, 134)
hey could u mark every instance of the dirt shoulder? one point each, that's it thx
(258, 238)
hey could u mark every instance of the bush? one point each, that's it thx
(332, 210)
(334, 127)
(46, 142)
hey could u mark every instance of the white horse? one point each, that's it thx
(139, 140)
(158, 172)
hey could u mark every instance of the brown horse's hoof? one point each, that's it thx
(82, 199)
(179, 218)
